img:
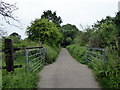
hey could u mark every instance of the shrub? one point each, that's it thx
(52, 53)
(77, 52)
(108, 73)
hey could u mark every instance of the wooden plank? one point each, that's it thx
(16, 66)
(17, 49)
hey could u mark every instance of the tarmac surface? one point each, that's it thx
(66, 72)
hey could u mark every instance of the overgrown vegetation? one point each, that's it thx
(48, 30)
(52, 54)
(106, 74)
(68, 32)
(44, 31)
(41, 30)
(77, 52)
(103, 34)
(19, 78)
(15, 79)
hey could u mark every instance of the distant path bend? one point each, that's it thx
(66, 73)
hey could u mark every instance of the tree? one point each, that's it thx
(44, 31)
(86, 36)
(78, 38)
(6, 11)
(70, 31)
(117, 22)
(52, 17)
(15, 35)
(68, 40)
(104, 33)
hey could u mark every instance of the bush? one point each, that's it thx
(68, 40)
(108, 73)
(52, 53)
(19, 79)
(77, 52)
(44, 31)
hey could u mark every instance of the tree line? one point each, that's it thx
(48, 30)
(104, 33)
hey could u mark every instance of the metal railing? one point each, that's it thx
(35, 59)
(95, 55)
(31, 54)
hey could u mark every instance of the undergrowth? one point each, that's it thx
(20, 78)
(107, 74)
(77, 52)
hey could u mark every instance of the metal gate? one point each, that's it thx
(95, 55)
(35, 59)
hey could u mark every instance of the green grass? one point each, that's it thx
(0, 79)
(19, 78)
(108, 74)
(52, 53)
(77, 52)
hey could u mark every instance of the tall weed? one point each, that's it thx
(107, 74)
(19, 78)
(78, 52)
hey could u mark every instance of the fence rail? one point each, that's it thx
(9, 56)
(35, 59)
(95, 54)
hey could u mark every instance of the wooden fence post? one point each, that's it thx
(9, 55)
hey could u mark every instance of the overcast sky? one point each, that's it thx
(76, 12)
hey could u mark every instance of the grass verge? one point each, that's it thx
(106, 74)
(19, 78)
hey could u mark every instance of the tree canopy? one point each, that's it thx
(117, 22)
(69, 32)
(104, 33)
(15, 35)
(52, 17)
(44, 31)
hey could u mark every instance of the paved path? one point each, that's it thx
(66, 73)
